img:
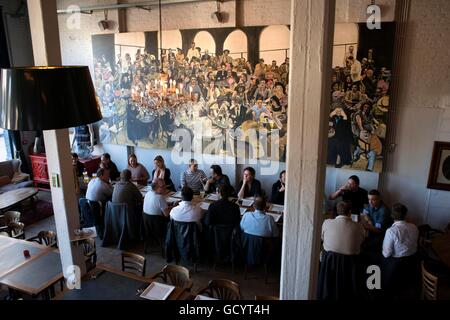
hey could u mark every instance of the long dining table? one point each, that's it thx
(32, 275)
(106, 283)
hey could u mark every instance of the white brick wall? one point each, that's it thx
(423, 112)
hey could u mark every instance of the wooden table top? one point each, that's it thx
(441, 245)
(112, 284)
(12, 253)
(36, 275)
(13, 197)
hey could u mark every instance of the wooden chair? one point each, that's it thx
(16, 230)
(266, 298)
(175, 275)
(222, 289)
(47, 238)
(135, 263)
(429, 284)
(90, 253)
(10, 216)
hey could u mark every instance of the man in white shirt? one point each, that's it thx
(355, 70)
(400, 266)
(401, 238)
(186, 211)
(156, 211)
(193, 52)
(154, 201)
(99, 189)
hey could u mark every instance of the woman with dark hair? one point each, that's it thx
(249, 186)
(161, 172)
(278, 189)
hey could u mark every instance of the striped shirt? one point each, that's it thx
(193, 179)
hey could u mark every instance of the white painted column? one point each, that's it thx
(312, 31)
(46, 50)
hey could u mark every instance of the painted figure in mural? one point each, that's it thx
(341, 139)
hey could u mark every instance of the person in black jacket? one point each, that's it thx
(278, 189)
(161, 172)
(114, 173)
(224, 211)
(249, 186)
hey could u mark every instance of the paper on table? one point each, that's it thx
(276, 208)
(204, 205)
(177, 194)
(200, 297)
(172, 200)
(243, 210)
(157, 291)
(212, 197)
(276, 216)
(247, 202)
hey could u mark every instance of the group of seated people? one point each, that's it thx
(225, 211)
(192, 177)
(366, 233)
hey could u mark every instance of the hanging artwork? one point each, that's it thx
(194, 94)
(360, 95)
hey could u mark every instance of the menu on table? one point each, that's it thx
(213, 197)
(204, 206)
(243, 210)
(157, 291)
(172, 200)
(247, 202)
(276, 208)
(276, 216)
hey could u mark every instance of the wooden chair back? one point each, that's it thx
(16, 230)
(178, 276)
(429, 284)
(11, 216)
(133, 263)
(90, 253)
(48, 238)
(222, 289)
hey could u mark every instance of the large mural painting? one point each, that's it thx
(193, 95)
(360, 94)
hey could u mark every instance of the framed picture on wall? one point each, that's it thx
(439, 176)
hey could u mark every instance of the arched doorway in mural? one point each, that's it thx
(205, 41)
(274, 44)
(236, 42)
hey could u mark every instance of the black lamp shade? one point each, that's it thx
(47, 98)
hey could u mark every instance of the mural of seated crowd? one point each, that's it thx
(222, 103)
(358, 113)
